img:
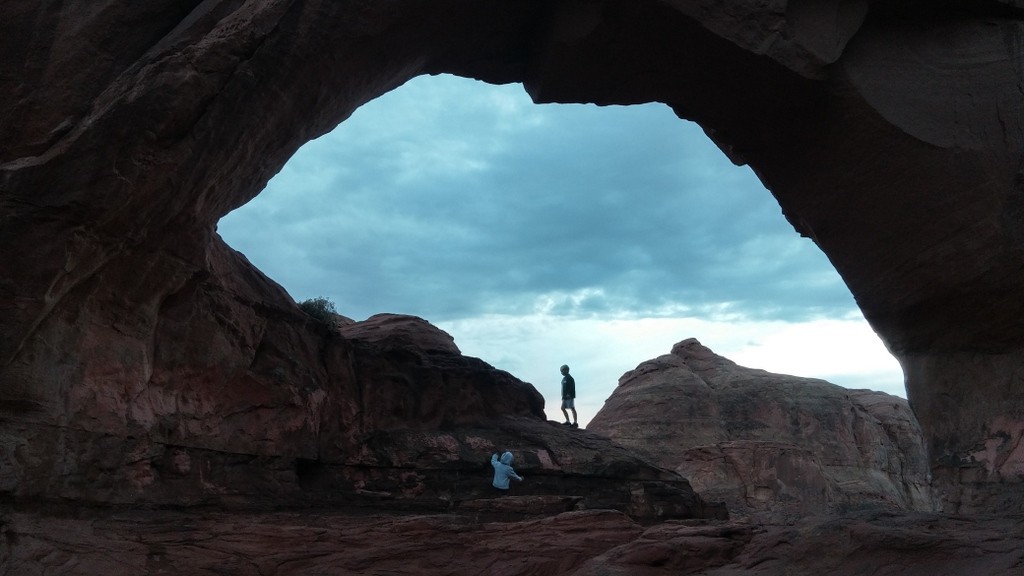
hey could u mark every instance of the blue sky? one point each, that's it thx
(538, 235)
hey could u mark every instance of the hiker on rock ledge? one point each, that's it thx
(503, 472)
(568, 396)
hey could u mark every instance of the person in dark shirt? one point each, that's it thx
(568, 397)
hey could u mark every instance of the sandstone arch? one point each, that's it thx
(891, 135)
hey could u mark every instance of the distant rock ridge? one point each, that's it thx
(769, 445)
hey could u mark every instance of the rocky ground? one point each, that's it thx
(489, 541)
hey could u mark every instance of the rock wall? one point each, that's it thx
(890, 133)
(383, 413)
(772, 447)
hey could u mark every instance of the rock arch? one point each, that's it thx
(890, 135)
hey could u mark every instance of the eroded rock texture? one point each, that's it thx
(772, 447)
(140, 356)
(387, 413)
(585, 543)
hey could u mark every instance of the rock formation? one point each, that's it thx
(143, 362)
(770, 446)
(890, 133)
(404, 421)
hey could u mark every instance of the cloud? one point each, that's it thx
(448, 199)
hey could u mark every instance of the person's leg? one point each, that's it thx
(574, 420)
(565, 404)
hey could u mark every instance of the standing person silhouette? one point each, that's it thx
(568, 397)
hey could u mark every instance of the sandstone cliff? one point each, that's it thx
(770, 446)
(380, 413)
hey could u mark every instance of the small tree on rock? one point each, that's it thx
(320, 308)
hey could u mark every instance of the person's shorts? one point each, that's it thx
(568, 403)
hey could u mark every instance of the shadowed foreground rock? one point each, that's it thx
(586, 543)
(770, 445)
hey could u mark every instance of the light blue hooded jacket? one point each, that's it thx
(503, 471)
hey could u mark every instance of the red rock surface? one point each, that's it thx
(403, 422)
(144, 363)
(587, 543)
(770, 446)
(890, 133)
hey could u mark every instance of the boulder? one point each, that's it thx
(771, 446)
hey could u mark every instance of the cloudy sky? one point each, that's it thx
(541, 235)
